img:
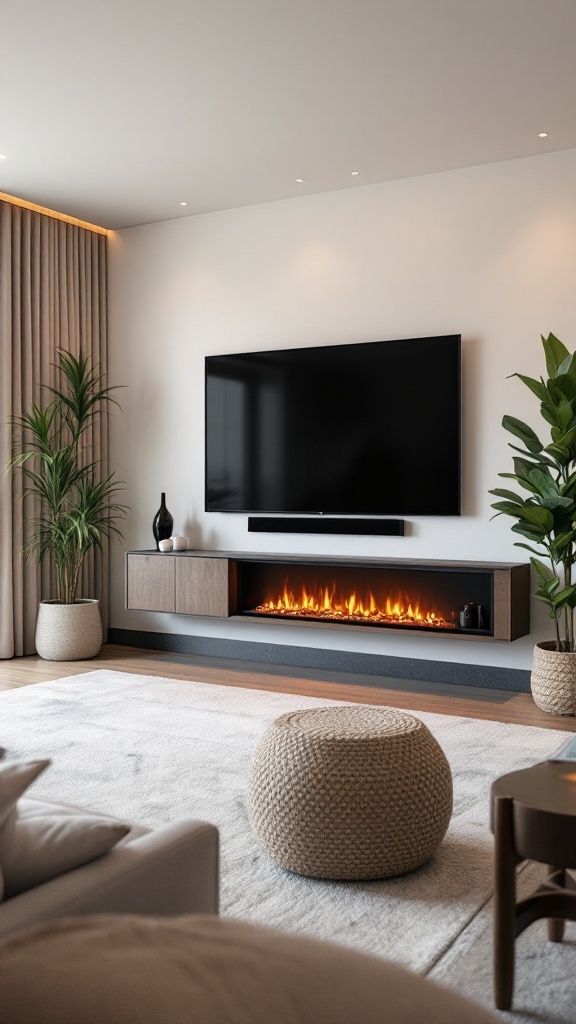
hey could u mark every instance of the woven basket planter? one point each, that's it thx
(553, 679)
(68, 632)
(349, 792)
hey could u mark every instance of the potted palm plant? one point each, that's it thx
(546, 518)
(75, 510)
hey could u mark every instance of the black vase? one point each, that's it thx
(163, 523)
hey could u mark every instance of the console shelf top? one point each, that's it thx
(312, 559)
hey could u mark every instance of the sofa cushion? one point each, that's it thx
(39, 841)
(211, 971)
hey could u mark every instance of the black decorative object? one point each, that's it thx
(469, 616)
(163, 522)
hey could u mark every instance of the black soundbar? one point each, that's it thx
(322, 524)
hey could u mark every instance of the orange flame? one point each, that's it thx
(326, 603)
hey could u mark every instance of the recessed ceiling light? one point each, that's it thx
(3, 156)
(542, 135)
(355, 173)
(183, 203)
(299, 180)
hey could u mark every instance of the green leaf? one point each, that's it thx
(555, 353)
(569, 485)
(545, 487)
(565, 598)
(543, 571)
(566, 382)
(526, 483)
(539, 459)
(567, 366)
(522, 480)
(555, 501)
(571, 602)
(507, 508)
(537, 519)
(546, 600)
(501, 492)
(538, 516)
(537, 386)
(524, 432)
(556, 393)
(563, 540)
(519, 544)
(540, 476)
(530, 532)
(565, 413)
(564, 437)
(535, 523)
(548, 412)
(560, 453)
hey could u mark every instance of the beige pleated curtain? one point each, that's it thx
(52, 296)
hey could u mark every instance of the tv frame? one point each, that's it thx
(316, 512)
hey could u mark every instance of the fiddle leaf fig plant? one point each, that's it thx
(77, 510)
(546, 471)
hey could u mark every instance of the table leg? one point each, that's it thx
(504, 903)
(556, 925)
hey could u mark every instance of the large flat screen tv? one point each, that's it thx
(363, 429)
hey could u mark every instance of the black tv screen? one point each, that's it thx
(362, 429)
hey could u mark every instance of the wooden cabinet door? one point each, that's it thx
(203, 586)
(150, 583)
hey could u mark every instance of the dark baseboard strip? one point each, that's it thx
(492, 677)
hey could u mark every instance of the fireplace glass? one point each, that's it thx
(436, 600)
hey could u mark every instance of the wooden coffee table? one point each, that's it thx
(533, 817)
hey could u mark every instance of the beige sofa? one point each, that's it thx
(139, 970)
(170, 870)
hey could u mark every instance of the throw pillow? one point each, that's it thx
(209, 970)
(15, 777)
(39, 841)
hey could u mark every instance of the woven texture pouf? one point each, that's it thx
(349, 792)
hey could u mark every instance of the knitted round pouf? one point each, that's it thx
(349, 792)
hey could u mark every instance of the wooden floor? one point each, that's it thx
(468, 701)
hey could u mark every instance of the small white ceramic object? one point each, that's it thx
(165, 545)
(179, 543)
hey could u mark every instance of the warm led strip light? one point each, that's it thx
(53, 213)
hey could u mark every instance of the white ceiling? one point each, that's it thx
(116, 110)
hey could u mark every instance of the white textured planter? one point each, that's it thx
(68, 632)
(553, 679)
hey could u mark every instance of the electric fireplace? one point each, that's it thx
(432, 600)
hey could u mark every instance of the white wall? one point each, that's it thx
(488, 252)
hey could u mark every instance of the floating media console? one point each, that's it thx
(463, 600)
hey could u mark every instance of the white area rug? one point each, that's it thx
(153, 749)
